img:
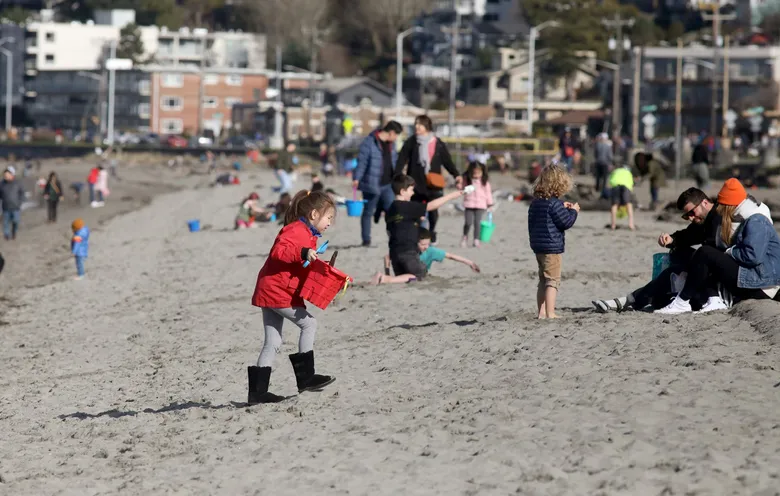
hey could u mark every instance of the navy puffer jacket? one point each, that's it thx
(547, 220)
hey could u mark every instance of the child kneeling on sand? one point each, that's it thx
(428, 255)
(548, 218)
(403, 225)
(276, 292)
(79, 245)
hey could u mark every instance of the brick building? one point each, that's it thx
(176, 106)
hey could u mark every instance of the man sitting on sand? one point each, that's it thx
(428, 255)
(700, 211)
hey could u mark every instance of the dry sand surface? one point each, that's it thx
(131, 381)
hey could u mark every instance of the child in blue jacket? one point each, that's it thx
(548, 218)
(79, 245)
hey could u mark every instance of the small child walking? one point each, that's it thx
(79, 245)
(477, 202)
(548, 218)
(276, 293)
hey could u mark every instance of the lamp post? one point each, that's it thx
(9, 81)
(102, 105)
(399, 62)
(532, 70)
(312, 75)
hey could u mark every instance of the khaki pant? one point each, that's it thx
(549, 270)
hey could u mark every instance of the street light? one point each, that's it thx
(399, 49)
(9, 82)
(102, 81)
(531, 69)
(311, 94)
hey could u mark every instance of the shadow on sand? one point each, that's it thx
(173, 407)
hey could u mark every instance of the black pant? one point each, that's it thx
(433, 215)
(709, 267)
(602, 171)
(658, 292)
(51, 209)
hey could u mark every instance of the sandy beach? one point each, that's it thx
(132, 380)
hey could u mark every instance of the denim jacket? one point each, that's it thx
(757, 251)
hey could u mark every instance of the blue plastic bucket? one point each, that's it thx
(194, 225)
(355, 208)
(660, 263)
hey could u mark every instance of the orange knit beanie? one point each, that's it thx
(732, 193)
(77, 224)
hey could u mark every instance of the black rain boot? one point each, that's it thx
(259, 377)
(303, 365)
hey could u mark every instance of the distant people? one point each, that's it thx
(280, 207)
(604, 160)
(101, 188)
(649, 168)
(621, 184)
(250, 212)
(316, 183)
(327, 162)
(424, 155)
(2, 263)
(374, 174)
(52, 193)
(568, 148)
(11, 197)
(701, 165)
(286, 161)
(476, 203)
(548, 219)
(91, 180)
(79, 245)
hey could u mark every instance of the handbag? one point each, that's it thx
(435, 180)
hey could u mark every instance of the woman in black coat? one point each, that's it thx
(426, 169)
(52, 193)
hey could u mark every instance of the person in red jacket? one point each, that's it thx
(310, 213)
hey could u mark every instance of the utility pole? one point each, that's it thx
(453, 73)
(111, 91)
(724, 131)
(618, 24)
(637, 95)
(716, 18)
(678, 115)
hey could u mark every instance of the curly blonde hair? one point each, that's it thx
(554, 181)
(727, 215)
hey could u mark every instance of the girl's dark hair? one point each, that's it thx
(52, 175)
(424, 121)
(469, 175)
(305, 202)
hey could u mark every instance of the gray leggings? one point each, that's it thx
(273, 318)
(473, 216)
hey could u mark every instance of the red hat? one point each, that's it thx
(732, 193)
(254, 196)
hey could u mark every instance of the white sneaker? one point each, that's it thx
(677, 306)
(713, 303)
(93, 204)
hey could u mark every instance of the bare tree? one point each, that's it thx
(290, 20)
(383, 20)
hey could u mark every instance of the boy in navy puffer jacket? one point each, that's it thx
(548, 218)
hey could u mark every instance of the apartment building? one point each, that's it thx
(201, 48)
(176, 106)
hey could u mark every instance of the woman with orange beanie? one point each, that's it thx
(750, 266)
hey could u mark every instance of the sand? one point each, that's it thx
(132, 380)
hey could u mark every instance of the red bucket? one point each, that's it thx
(323, 284)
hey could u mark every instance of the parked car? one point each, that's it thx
(176, 141)
(151, 139)
(240, 142)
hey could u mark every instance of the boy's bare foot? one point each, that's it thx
(553, 317)
(613, 227)
(377, 279)
(633, 228)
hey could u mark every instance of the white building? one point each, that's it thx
(57, 46)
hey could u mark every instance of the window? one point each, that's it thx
(172, 126)
(210, 79)
(689, 71)
(170, 80)
(50, 37)
(171, 103)
(233, 80)
(49, 58)
(232, 100)
(144, 110)
(515, 115)
(295, 130)
(257, 94)
(649, 70)
(143, 87)
(490, 17)
(210, 102)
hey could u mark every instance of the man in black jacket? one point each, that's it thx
(700, 211)
(11, 198)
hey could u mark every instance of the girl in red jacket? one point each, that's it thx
(276, 292)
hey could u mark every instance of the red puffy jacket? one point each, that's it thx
(280, 278)
(93, 175)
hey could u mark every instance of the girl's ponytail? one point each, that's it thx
(305, 202)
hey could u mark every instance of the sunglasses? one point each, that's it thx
(690, 213)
